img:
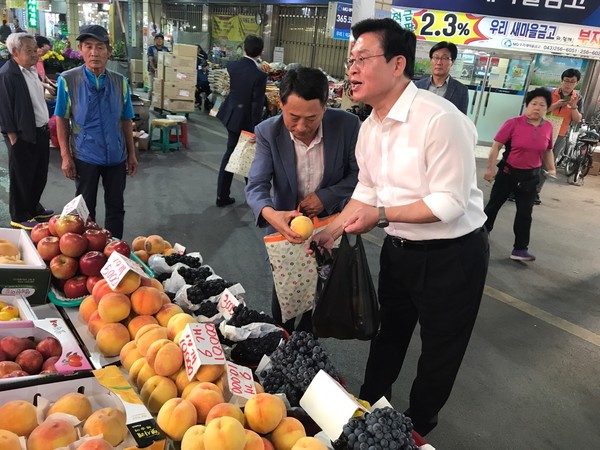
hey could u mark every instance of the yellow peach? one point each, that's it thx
(226, 409)
(167, 311)
(88, 306)
(53, 433)
(138, 322)
(73, 403)
(309, 443)
(146, 300)
(147, 335)
(224, 433)
(19, 417)
(156, 391)
(110, 422)
(165, 357)
(303, 226)
(114, 307)
(175, 417)
(9, 440)
(193, 439)
(264, 412)
(287, 433)
(204, 400)
(177, 323)
(111, 338)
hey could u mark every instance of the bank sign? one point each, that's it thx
(581, 12)
(339, 20)
(501, 33)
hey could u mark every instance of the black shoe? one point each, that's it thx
(225, 202)
(537, 200)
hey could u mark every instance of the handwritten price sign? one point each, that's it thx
(77, 206)
(227, 302)
(200, 346)
(240, 384)
(117, 267)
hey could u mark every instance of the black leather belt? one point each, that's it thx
(399, 242)
(43, 128)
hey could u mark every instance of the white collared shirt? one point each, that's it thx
(36, 92)
(253, 60)
(309, 163)
(423, 149)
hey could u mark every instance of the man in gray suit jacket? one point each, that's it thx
(304, 161)
(443, 54)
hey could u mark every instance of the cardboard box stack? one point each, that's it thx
(137, 72)
(176, 79)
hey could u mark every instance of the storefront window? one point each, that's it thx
(96, 13)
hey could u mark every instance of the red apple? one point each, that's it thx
(96, 239)
(52, 225)
(48, 247)
(91, 225)
(73, 244)
(76, 287)
(69, 224)
(63, 267)
(40, 231)
(121, 247)
(109, 235)
(91, 282)
(91, 263)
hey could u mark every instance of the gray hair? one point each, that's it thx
(14, 41)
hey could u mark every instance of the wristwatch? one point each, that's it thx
(382, 222)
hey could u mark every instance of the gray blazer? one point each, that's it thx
(274, 166)
(456, 93)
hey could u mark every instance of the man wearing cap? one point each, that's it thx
(442, 55)
(159, 46)
(93, 118)
(24, 124)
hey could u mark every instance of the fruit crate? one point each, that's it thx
(19, 302)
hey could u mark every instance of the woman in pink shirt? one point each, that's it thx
(43, 46)
(527, 140)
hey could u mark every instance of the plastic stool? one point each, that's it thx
(164, 141)
(183, 128)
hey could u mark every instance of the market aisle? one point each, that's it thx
(526, 382)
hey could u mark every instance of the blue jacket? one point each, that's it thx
(274, 166)
(95, 115)
(456, 93)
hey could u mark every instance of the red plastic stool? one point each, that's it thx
(183, 136)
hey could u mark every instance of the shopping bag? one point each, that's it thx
(294, 272)
(242, 156)
(347, 307)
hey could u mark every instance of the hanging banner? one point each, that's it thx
(580, 12)
(233, 28)
(499, 33)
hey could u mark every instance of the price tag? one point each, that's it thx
(77, 206)
(227, 302)
(117, 267)
(200, 345)
(240, 384)
(179, 248)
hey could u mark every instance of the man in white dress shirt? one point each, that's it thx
(417, 180)
(24, 125)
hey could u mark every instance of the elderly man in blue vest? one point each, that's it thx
(95, 131)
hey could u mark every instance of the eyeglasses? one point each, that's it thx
(360, 61)
(440, 58)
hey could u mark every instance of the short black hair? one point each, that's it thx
(395, 40)
(305, 82)
(41, 41)
(570, 73)
(539, 92)
(444, 44)
(253, 45)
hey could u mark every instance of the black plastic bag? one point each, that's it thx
(346, 307)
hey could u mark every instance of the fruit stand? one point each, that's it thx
(143, 345)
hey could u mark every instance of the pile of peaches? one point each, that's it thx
(75, 251)
(21, 418)
(23, 356)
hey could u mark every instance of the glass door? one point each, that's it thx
(497, 85)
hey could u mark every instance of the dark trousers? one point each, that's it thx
(28, 174)
(523, 184)
(225, 178)
(305, 323)
(113, 181)
(441, 288)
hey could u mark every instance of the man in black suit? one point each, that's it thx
(443, 54)
(24, 124)
(242, 109)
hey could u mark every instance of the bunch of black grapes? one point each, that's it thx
(207, 309)
(384, 428)
(242, 315)
(193, 275)
(204, 289)
(294, 365)
(250, 351)
(190, 261)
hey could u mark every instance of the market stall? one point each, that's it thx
(146, 346)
